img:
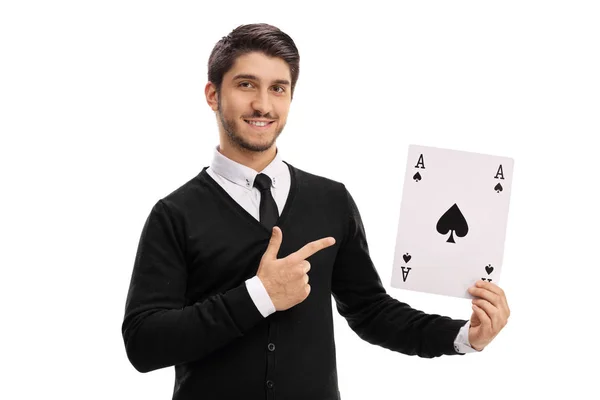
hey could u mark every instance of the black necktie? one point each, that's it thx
(268, 207)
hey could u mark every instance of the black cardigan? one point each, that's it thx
(188, 305)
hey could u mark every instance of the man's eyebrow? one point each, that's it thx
(282, 81)
(255, 78)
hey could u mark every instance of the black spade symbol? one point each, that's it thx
(417, 177)
(406, 257)
(498, 188)
(489, 269)
(453, 221)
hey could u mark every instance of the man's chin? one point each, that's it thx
(248, 139)
(264, 139)
(257, 145)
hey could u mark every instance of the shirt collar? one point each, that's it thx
(243, 175)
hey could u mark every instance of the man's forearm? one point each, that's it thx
(158, 338)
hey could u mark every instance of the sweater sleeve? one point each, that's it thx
(375, 316)
(158, 329)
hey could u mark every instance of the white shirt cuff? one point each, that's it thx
(260, 297)
(461, 343)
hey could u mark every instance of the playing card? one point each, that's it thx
(453, 219)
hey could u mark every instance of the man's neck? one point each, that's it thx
(258, 161)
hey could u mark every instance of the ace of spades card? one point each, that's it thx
(453, 219)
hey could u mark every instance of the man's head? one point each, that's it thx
(252, 74)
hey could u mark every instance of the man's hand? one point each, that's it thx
(490, 313)
(286, 279)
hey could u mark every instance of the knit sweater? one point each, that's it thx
(188, 305)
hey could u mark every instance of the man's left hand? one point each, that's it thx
(490, 313)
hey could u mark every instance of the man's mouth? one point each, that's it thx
(258, 124)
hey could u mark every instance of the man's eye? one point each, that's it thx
(279, 89)
(245, 84)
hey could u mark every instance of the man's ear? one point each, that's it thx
(210, 91)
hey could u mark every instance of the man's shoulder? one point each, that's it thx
(192, 191)
(315, 181)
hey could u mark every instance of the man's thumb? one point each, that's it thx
(274, 243)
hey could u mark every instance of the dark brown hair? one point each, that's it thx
(253, 37)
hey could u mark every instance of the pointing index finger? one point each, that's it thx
(311, 248)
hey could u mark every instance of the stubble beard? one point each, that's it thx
(238, 140)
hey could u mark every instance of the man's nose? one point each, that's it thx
(262, 102)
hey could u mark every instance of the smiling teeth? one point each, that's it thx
(257, 123)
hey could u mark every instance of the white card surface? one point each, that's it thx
(453, 219)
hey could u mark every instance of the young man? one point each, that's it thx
(220, 288)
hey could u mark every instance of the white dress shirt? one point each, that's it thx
(238, 181)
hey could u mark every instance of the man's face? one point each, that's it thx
(254, 101)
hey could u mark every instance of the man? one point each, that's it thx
(235, 270)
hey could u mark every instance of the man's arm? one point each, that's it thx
(372, 313)
(158, 329)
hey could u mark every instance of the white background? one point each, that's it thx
(102, 113)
